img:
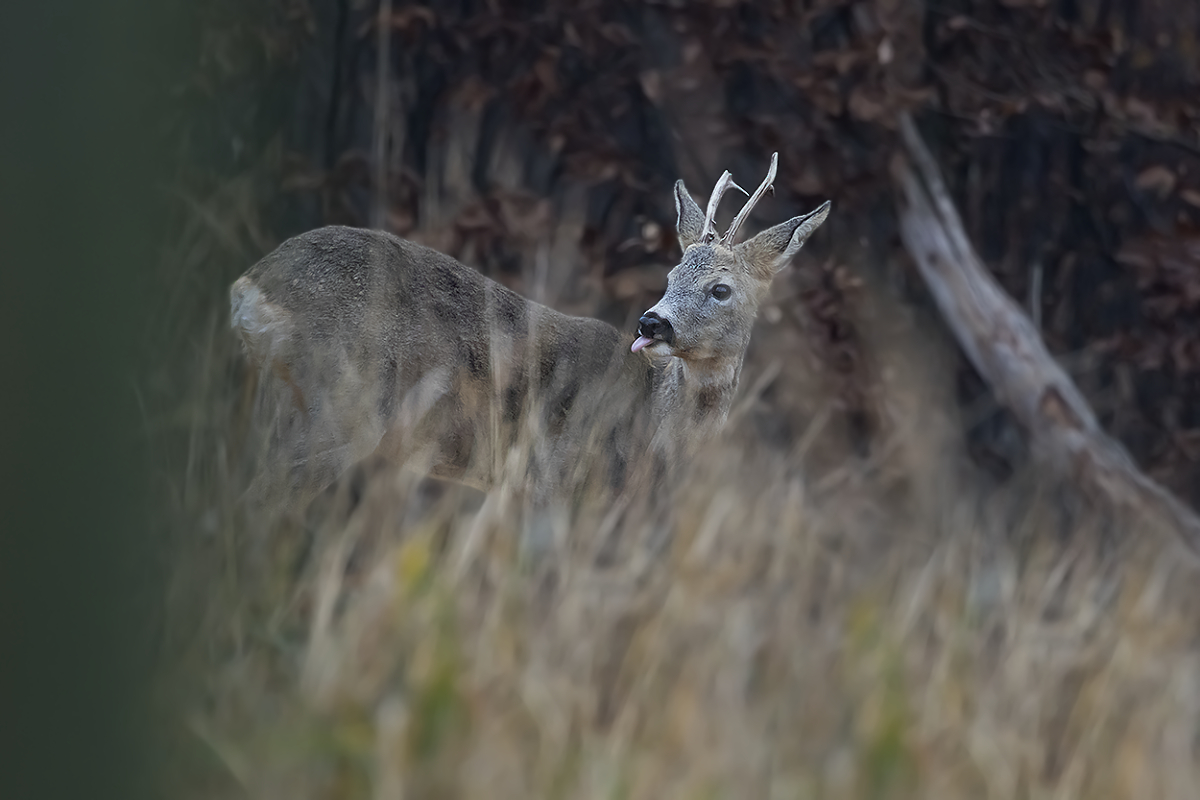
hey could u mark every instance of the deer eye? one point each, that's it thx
(721, 291)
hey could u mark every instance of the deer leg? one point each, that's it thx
(310, 442)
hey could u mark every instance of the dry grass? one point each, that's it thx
(811, 623)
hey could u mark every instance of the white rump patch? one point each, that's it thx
(262, 324)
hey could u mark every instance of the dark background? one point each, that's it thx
(1068, 131)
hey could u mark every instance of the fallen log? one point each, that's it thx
(1006, 349)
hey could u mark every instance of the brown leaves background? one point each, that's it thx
(1070, 133)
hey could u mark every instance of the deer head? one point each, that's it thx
(713, 294)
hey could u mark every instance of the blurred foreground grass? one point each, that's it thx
(821, 623)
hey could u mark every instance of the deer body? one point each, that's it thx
(370, 344)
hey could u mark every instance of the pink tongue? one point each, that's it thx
(639, 343)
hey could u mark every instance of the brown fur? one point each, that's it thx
(386, 347)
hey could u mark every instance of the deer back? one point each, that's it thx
(379, 345)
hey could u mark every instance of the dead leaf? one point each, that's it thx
(651, 81)
(866, 105)
(1158, 179)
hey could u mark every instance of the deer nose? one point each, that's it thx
(652, 326)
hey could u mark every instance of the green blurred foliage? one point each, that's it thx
(84, 90)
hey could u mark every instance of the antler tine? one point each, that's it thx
(723, 185)
(762, 189)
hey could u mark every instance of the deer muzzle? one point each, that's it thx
(651, 329)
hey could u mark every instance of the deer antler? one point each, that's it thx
(763, 188)
(723, 185)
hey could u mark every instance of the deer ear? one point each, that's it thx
(771, 250)
(690, 219)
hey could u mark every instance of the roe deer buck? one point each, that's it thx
(370, 344)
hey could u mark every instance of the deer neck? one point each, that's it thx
(700, 393)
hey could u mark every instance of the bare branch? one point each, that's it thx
(762, 189)
(1002, 343)
(723, 185)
